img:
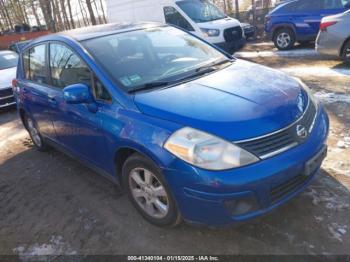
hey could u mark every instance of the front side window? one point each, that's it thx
(66, 68)
(34, 61)
(137, 58)
(201, 11)
(8, 60)
(173, 17)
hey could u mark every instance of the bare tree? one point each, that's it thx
(98, 16)
(70, 14)
(91, 12)
(6, 14)
(35, 13)
(103, 12)
(237, 9)
(83, 13)
(64, 14)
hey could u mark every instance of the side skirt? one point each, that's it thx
(84, 162)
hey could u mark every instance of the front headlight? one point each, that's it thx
(207, 151)
(308, 91)
(210, 32)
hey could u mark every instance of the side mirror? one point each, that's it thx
(347, 5)
(77, 94)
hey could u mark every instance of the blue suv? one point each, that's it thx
(299, 21)
(185, 129)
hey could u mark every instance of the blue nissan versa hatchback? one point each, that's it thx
(299, 20)
(186, 130)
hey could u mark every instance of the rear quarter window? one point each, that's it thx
(34, 63)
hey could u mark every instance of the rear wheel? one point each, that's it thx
(35, 135)
(147, 190)
(346, 52)
(284, 39)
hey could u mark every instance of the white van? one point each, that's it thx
(200, 17)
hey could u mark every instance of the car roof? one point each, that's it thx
(89, 32)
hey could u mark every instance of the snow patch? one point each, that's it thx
(291, 53)
(56, 246)
(332, 201)
(316, 71)
(337, 231)
(332, 97)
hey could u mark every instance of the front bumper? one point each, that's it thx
(233, 46)
(210, 197)
(7, 98)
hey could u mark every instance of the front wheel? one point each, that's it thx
(147, 190)
(284, 39)
(346, 53)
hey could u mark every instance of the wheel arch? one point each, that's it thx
(341, 53)
(282, 26)
(122, 153)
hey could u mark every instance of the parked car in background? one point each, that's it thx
(200, 17)
(18, 46)
(8, 67)
(299, 20)
(186, 129)
(334, 36)
(249, 30)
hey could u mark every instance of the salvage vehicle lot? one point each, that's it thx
(50, 204)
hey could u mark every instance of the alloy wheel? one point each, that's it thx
(283, 40)
(148, 192)
(34, 133)
(347, 54)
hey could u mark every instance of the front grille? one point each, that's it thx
(282, 190)
(280, 141)
(6, 92)
(233, 34)
(7, 101)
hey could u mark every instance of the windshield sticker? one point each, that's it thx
(135, 78)
(125, 81)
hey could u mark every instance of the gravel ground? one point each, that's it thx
(50, 204)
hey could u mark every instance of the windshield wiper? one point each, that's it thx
(198, 72)
(212, 66)
(151, 85)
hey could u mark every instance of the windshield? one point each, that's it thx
(8, 60)
(137, 58)
(201, 10)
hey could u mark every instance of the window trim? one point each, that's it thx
(183, 16)
(48, 70)
(22, 62)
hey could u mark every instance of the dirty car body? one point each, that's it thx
(228, 145)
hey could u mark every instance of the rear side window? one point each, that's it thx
(173, 17)
(333, 4)
(34, 61)
(66, 68)
(303, 5)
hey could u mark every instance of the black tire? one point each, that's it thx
(39, 144)
(346, 53)
(287, 34)
(137, 161)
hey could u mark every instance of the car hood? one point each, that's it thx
(242, 101)
(220, 23)
(6, 77)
